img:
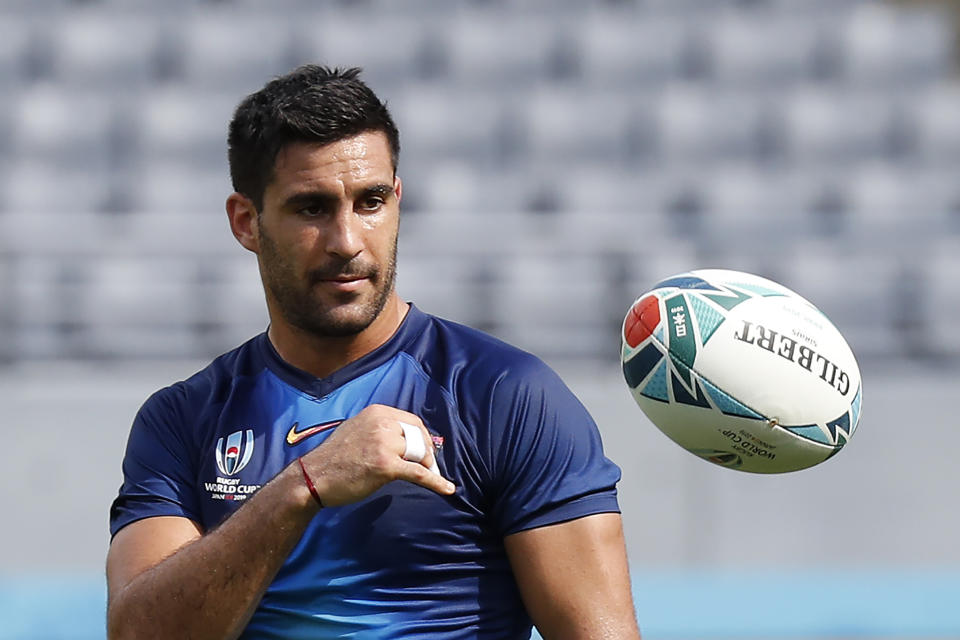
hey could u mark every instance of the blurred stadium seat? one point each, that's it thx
(484, 50)
(934, 125)
(645, 136)
(699, 126)
(193, 234)
(332, 39)
(941, 299)
(621, 52)
(236, 51)
(565, 125)
(886, 45)
(556, 303)
(763, 49)
(468, 125)
(905, 206)
(837, 126)
(759, 210)
(15, 37)
(634, 193)
(458, 187)
(182, 125)
(233, 306)
(88, 52)
(137, 306)
(61, 127)
(176, 187)
(38, 187)
(457, 287)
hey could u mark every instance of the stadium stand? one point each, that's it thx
(609, 141)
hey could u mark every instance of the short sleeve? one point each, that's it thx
(158, 478)
(547, 455)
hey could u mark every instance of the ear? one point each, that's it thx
(398, 188)
(244, 221)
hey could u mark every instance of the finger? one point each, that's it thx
(400, 415)
(418, 474)
(415, 446)
(413, 453)
(430, 459)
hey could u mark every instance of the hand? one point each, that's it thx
(366, 452)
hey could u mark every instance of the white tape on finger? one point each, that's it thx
(416, 449)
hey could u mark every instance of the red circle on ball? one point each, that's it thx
(642, 320)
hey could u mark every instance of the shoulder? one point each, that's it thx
(208, 387)
(483, 374)
(475, 360)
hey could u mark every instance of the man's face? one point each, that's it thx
(328, 234)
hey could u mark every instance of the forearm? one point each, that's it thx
(209, 588)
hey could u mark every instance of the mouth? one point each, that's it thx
(343, 283)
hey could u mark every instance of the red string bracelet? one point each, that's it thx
(306, 478)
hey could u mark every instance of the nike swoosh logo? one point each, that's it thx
(294, 436)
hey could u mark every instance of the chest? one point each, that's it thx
(266, 426)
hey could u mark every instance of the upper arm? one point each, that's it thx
(142, 544)
(156, 511)
(543, 452)
(573, 578)
(159, 466)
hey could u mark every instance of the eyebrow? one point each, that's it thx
(381, 189)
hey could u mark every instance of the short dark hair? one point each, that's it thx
(312, 103)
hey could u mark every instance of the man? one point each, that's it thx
(361, 469)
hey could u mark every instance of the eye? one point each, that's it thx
(372, 203)
(313, 209)
(310, 212)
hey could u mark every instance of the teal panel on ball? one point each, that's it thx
(681, 395)
(758, 289)
(641, 364)
(855, 411)
(707, 318)
(840, 428)
(727, 404)
(658, 334)
(729, 299)
(811, 432)
(657, 386)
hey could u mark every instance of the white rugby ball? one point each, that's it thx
(741, 371)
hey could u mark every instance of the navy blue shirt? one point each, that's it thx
(404, 562)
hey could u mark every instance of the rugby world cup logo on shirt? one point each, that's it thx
(234, 452)
(232, 455)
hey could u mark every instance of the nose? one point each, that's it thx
(343, 235)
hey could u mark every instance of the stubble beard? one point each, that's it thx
(303, 309)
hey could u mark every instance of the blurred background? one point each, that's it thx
(559, 157)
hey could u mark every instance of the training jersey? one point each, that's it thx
(403, 562)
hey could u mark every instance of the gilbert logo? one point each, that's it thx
(234, 453)
(294, 436)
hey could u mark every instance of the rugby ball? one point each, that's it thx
(741, 371)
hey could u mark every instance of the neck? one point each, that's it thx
(322, 355)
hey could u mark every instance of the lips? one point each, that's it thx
(340, 274)
(345, 283)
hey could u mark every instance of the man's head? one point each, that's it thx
(313, 158)
(310, 104)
